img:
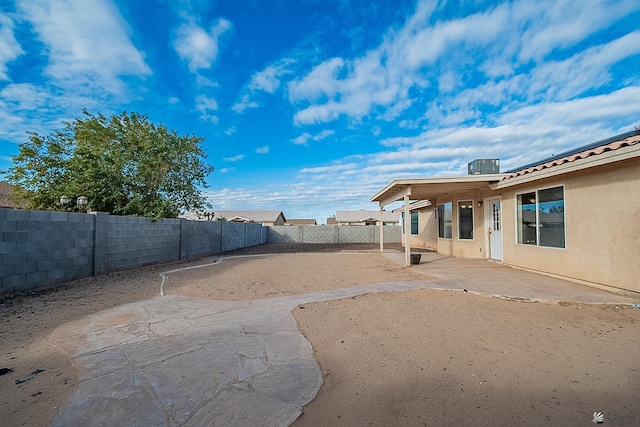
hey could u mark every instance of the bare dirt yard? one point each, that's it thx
(409, 358)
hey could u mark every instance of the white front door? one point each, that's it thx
(494, 217)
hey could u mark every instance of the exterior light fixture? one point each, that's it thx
(479, 203)
(82, 201)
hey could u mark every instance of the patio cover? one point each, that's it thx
(428, 189)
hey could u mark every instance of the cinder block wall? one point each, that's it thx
(39, 248)
(322, 234)
(253, 235)
(284, 233)
(332, 234)
(200, 238)
(44, 248)
(356, 234)
(234, 236)
(391, 234)
(129, 241)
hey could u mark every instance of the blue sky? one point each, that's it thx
(312, 106)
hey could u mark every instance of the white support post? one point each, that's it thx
(381, 229)
(407, 233)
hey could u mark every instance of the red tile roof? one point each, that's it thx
(615, 145)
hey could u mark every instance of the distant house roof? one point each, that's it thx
(332, 220)
(250, 216)
(302, 221)
(6, 191)
(353, 217)
(420, 204)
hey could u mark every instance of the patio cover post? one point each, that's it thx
(381, 229)
(407, 232)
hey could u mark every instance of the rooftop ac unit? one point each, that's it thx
(484, 166)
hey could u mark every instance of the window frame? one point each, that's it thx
(537, 223)
(442, 221)
(473, 234)
(417, 217)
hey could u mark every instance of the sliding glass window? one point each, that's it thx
(540, 218)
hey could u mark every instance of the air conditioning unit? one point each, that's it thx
(484, 166)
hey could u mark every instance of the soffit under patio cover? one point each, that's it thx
(431, 188)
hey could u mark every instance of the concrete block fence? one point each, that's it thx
(42, 248)
(333, 234)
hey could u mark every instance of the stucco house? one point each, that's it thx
(264, 217)
(575, 216)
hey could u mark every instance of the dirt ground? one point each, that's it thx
(407, 358)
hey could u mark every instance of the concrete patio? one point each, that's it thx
(489, 278)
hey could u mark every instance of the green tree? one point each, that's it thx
(124, 165)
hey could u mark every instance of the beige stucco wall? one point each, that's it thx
(427, 237)
(474, 248)
(602, 222)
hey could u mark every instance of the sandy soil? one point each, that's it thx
(407, 358)
(443, 358)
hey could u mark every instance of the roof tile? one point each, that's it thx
(615, 145)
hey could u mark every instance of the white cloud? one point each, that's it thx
(226, 170)
(559, 24)
(265, 81)
(586, 70)
(302, 139)
(432, 42)
(230, 130)
(306, 137)
(263, 150)
(206, 105)
(23, 96)
(87, 43)
(205, 81)
(489, 53)
(268, 80)
(234, 158)
(321, 81)
(83, 56)
(330, 169)
(9, 47)
(582, 113)
(198, 46)
(244, 104)
(173, 100)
